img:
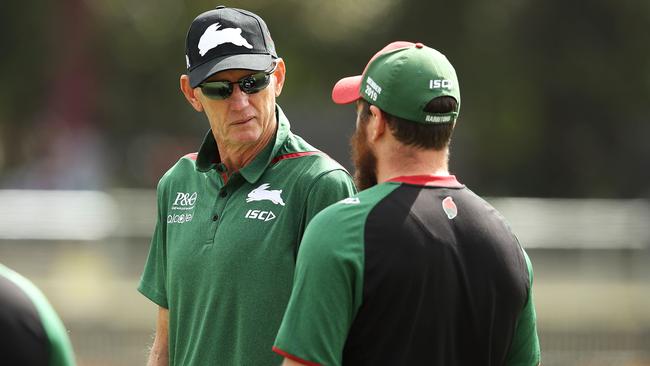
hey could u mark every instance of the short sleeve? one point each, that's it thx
(327, 292)
(153, 281)
(525, 350)
(329, 188)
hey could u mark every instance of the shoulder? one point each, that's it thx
(46, 337)
(296, 147)
(308, 165)
(351, 212)
(32, 294)
(21, 283)
(485, 212)
(15, 294)
(184, 167)
(336, 234)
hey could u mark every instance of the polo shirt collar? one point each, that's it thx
(445, 181)
(208, 157)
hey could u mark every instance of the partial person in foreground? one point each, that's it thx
(230, 218)
(416, 269)
(33, 334)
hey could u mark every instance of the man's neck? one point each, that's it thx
(235, 157)
(407, 161)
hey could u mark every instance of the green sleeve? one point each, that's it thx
(329, 188)
(525, 350)
(327, 291)
(153, 280)
(61, 353)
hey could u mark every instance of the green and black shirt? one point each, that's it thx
(32, 332)
(415, 271)
(223, 253)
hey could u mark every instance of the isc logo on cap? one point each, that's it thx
(439, 84)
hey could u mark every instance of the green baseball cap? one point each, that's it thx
(401, 79)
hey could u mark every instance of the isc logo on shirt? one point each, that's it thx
(260, 215)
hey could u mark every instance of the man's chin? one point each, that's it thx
(365, 163)
(245, 137)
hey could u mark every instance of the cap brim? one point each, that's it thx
(347, 90)
(248, 61)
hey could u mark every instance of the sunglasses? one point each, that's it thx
(250, 84)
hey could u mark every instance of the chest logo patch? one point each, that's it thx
(261, 193)
(260, 215)
(449, 207)
(213, 37)
(179, 219)
(184, 201)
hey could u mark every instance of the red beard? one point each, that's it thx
(364, 159)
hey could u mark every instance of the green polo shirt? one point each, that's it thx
(223, 252)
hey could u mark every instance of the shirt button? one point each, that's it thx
(223, 193)
(215, 217)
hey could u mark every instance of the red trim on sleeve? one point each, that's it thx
(446, 181)
(292, 357)
(192, 156)
(293, 155)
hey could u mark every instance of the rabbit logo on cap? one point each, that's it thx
(213, 37)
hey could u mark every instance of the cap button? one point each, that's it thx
(220, 7)
(419, 45)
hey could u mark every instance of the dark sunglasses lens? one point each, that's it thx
(254, 83)
(217, 89)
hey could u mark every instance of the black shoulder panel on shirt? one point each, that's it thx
(449, 290)
(24, 341)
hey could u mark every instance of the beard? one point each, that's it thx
(365, 161)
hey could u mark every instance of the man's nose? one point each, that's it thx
(238, 99)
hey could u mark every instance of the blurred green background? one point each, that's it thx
(555, 106)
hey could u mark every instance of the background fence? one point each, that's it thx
(86, 250)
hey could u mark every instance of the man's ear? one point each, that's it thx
(279, 73)
(190, 93)
(377, 124)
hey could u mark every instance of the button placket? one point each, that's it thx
(217, 189)
(221, 199)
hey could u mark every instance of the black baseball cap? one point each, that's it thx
(227, 38)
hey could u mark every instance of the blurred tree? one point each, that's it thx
(555, 94)
(591, 67)
(60, 146)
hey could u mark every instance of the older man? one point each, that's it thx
(230, 217)
(416, 269)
